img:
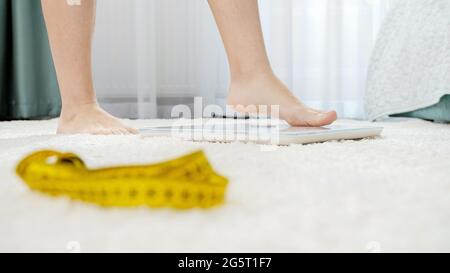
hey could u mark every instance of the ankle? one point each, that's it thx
(69, 111)
(246, 77)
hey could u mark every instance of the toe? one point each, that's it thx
(311, 118)
(101, 132)
(132, 131)
(124, 131)
(332, 116)
(118, 131)
(323, 119)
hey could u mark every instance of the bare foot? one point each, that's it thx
(268, 90)
(91, 119)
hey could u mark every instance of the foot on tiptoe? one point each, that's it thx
(267, 90)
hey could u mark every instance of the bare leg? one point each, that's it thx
(252, 79)
(70, 31)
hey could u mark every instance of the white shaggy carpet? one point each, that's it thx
(388, 194)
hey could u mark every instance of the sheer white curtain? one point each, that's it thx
(150, 55)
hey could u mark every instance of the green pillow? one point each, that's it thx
(439, 112)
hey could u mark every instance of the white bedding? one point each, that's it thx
(388, 194)
(410, 67)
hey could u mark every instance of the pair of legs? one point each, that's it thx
(252, 79)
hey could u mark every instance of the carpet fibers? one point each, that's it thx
(387, 194)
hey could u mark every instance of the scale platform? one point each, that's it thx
(259, 131)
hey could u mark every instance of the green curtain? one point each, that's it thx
(28, 84)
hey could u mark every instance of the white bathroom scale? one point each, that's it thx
(260, 132)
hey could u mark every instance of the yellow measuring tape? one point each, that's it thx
(184, 183)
